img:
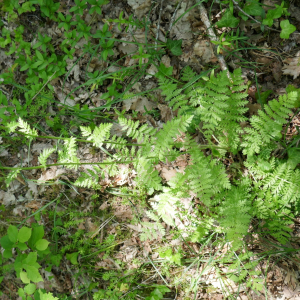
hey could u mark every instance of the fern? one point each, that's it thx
(68, 154)
(116, 143)
(165, 207)
(44, 156)
(168, 88)
(12, 126)
(165, 137)
(151, 231)
(88, 181)
(99, 135)
(235, 212)
(188, 74)
(267, 126)
(11, 176)
(141, 134)
(148, 177)
(221, 107)
(24, 127)
(203, 177)
(176, 97)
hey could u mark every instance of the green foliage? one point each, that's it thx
(172, 258)
(158, 293)
(266, 127)
(275, 14)
(287, 29)
(254, 8)
(26, 263)
(228, 20)
(174, 46)
(129, 22)
(265, 186)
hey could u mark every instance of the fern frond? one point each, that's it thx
(187, 74)
(86, 182)
(221, 107)
(141, 134)
(169, 89)
(151, 231)
(284, 182)
(44, 156)
(165, 207)
(69, 154)
(99, 135)
(235, 211)
(11, 176)
(203, 176)
(147, 175)
(24, 127)
(11, 126)
(86, 131)
(164, 138)
(267, 126)
(116, 143)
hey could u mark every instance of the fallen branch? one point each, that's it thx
(213, 37)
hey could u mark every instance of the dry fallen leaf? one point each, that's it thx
(292, 66)
(7, 198)
(140, 7)
(166, 112)
(51, 173)
(138, 104)
(168, 173)
(204, 49)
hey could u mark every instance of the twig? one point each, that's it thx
(102, 226)
(173, 17)
(4, 92)
(213, 37)
(158, 26)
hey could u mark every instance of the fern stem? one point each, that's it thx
(65, 164)
(114, 143)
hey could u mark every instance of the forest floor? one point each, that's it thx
(268, 65)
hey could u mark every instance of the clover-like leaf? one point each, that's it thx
(174, 46)
(24, 234)
(12, 233)
(30, 288)
(72, 257)
(287, 29)
(41, 244)
(24, 277)
(228, 20)
(253, 8)
(33, 273)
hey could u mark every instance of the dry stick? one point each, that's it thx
(158, 26)
(4, 92)
(173, 17)
(213, 37)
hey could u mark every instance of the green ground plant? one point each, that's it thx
(263, 187)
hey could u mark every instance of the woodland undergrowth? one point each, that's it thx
(257, 195)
